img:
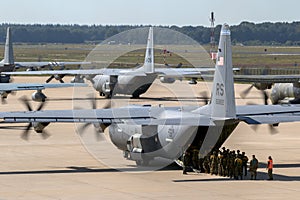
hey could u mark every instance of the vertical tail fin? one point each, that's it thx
(223, 99)
(8, 51)
(149, 56)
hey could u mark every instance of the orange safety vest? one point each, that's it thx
(270, 164)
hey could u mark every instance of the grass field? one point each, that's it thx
(257, 58)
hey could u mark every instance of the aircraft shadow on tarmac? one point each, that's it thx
(76, 169)
(261, 176)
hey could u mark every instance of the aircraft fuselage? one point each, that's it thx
(134, 85)
(142, 143)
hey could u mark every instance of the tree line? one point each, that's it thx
(245, 33)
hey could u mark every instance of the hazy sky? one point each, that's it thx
(153, 12)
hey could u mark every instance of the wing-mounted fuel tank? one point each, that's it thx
(281, 91)
(105, 84)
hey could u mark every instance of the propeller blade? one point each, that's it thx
(92, 81)
(13, 127)
(251, 103)
(82, 128)
(45, 134)
(99, 135)
(94, 103)
(25, 134)
(61, 78)
(25, 101)
(254, 127)
(272, 130)
(98, 128)
(107, 105)
(205, 97)
(50, 79)
(3, 100)
(266, 97)
(246, 92)
(41, 106)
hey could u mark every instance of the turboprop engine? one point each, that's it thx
(165, 79)
(281, 91)
(104, 84)
(38, 96)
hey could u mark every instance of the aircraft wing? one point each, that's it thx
(256, 114)
(268, 114)
(267, 78)
(195, 72)
(45, 64)
(36, 86)
(261, 78)
(173, 72)
(131, 115)
(182, 72)
(104, 71)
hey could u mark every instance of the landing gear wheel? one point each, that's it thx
(108, 96)
(144, 162)
(135, 96)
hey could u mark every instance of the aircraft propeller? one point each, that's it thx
(99, 127)
(59, 77)
(272, 128)
(245, 93)
(5, 94)
(265, 95)
(204, 96)
(43, 133)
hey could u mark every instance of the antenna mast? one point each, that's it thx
(212, 36)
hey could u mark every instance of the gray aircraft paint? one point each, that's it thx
(8, 51)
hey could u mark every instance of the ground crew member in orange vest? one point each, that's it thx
(270, 168)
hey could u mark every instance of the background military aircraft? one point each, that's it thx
(145, 133)
(284, 87)
(8, 64)
(8, 88)
(111, 81)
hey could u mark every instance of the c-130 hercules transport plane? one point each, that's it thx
(145, 133)
(135, 82)
(8, 64)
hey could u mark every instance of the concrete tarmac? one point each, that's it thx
(61, 167)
